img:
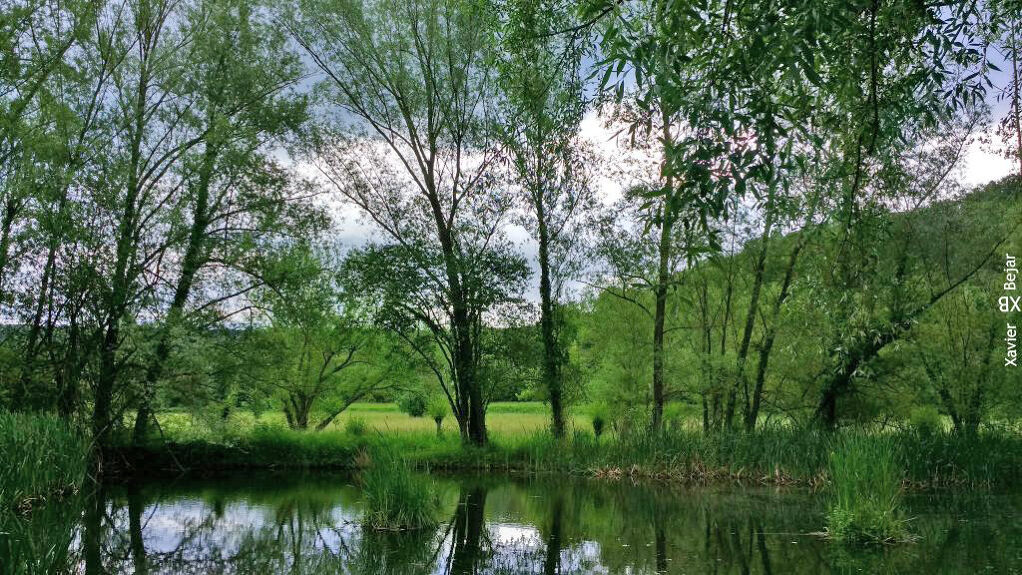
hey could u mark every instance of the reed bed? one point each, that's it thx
(40, 457)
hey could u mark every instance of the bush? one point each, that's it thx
(866, 475)
(356, 425)
(600, 416)
(414, 403)
(926, 420)
(396, 498)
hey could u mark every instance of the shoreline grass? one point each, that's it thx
(396, 498)
(770, 456)
(42, 458)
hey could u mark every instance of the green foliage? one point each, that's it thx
(43, 458)
(926, 420)
(866, 475)
(395, 497)
(414, 403)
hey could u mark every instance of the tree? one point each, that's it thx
(238, 201)
(542, 105)
(419, 77)
(318, 350)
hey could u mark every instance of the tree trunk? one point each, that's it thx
(659, 317)
(548, 319)
(750, 317)
(190, 265)
(768, 341)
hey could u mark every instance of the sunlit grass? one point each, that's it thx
(502, 418)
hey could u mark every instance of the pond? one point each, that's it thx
(309, 524)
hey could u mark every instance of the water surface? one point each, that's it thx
(298, 524)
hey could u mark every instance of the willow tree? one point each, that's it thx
(237, 201)
(413, 85)
(542, 103)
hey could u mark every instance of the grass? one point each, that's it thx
(776, 455)
(502, 418)
(396, 499)
(42, 457)
(866, 476)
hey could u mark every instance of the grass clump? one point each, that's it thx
(866, 476)
(40, 457)
(396, 499)
(356, 425)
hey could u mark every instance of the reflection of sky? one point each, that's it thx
(311, 529)
(191, 531)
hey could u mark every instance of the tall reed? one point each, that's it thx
(40, 457)
(866, 475)
(395, 497)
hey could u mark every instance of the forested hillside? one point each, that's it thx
(926, 332)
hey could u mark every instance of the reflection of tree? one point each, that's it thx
(468, 527)
(552, 562)
(566, 528)
(135, 507)
(92, 537)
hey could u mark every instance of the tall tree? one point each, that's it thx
(237, 199)
(542, 104)
(419, 77)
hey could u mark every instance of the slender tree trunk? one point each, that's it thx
(750, 317)
(1016, 111)
(190, 265)
(548, 325)
(768, 340)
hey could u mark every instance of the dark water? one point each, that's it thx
(310, 524)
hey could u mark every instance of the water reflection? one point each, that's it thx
(310, 525)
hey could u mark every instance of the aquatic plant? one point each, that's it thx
(395, 497)
(866, 480)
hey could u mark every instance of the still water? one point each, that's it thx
(305, 524)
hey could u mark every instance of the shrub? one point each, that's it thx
(438, 410)
(866, 476)
(396, 498)
(414, 403)
(926, 420)
(356, 425)
(600, 417)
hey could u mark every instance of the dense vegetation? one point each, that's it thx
(219, 209)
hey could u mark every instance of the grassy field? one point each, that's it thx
(502, 419)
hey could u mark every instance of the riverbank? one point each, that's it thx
(772, 456)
